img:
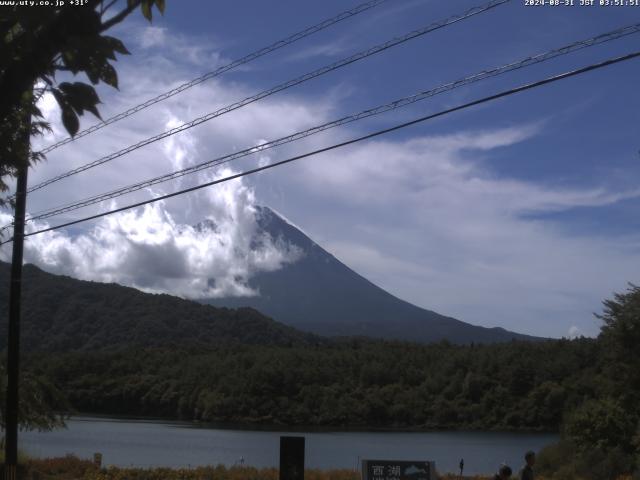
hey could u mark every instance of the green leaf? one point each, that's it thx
(70, 120)
(116, 45)
(108, 53)
(160, 4)
(40, 127)
(36, 112)
(69, 117)
(81, 90)
(95, 111)
(69, 61)
(109, 76)
(93, 73)
(146, 9)
(58, 95)
(80, 97)
(12, 33)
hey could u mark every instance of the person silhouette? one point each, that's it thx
(504, 473)
(527, 471)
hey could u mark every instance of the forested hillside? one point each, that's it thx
(524, 386)
(61, 314)
(114, 350)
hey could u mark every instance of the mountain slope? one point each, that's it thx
(320, 294)
(60, 313)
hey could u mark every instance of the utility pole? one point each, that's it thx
(13, 337)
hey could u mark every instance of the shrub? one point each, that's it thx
(60, 468)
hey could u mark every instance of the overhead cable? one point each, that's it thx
(490, 98)
(363, 7)
(402, 102)
(283, 86)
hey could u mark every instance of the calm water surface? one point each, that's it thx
(156, 443)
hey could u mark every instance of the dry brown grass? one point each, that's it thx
(73, 468)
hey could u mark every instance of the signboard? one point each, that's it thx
(398, 470)
(291, 458)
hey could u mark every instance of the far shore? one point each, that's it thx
(280, 427)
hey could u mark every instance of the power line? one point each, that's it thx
(223, 69)
(283, 86)
(402, 102)
(502, 94)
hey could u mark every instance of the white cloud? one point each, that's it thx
(330, 49)
(421, 217)
(148, 249)
(179, 149)
(575, 332)
(161, 247)
(430, 224)
(151, 36)
(199, 52)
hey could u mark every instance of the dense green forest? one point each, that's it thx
(113, 350)
(508, 386)
(587, 389)
(61, 313)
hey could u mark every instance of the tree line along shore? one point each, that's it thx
(586, 389)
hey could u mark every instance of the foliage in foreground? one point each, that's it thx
(588, 389)
(601, 436)
(36, 45)
(40, 402)
(71, 467)
(565, 461)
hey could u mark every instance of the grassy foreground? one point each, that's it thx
(73, 468)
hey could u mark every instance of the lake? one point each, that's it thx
(142, 443)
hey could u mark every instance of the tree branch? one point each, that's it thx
(107, 7)
(120, 16)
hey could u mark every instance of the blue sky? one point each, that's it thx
(591, 130)
(521, 213)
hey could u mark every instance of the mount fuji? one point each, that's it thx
(319, 294)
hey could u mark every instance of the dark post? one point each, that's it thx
(13, 338)
(291, 458)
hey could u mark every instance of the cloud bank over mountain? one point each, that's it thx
(429, 215)
(149, 249)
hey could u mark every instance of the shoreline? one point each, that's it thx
(144, 442)
(271, 427)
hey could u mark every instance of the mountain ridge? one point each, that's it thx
(320, 294)
(97, 316)
(313, 297)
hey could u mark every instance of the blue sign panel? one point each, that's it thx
(398, 470)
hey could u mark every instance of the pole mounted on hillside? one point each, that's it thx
(13, 337)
